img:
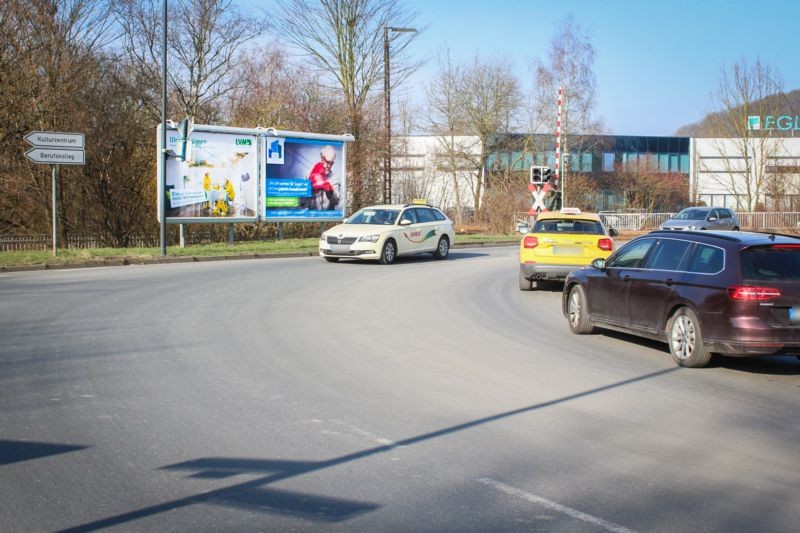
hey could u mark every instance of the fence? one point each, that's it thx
(11, 243)
(628, 221)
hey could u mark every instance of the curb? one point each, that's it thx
(206, 258)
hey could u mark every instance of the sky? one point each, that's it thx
(657, 63)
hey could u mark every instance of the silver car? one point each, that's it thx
(701, 218)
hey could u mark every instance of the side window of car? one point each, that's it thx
(669, 254)
(425, 215)
(725, 213)
(631, 255)
(707, 259)
(410, 214)
(438, 215)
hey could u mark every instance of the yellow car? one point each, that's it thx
(560, 242)
(383, 232)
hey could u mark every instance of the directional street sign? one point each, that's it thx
(56, 156)
(56, 139)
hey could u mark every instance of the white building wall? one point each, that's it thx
(422, 167)
(741, 173)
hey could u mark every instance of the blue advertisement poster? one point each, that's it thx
(304, 179)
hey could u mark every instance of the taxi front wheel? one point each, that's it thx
(388, 252)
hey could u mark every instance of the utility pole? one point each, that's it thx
(387, 108)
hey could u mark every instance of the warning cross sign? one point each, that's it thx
(538, 192)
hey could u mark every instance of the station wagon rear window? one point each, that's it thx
(778, 262)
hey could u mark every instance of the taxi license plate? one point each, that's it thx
(340, 249)
(566, 250)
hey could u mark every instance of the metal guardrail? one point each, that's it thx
(627, 221)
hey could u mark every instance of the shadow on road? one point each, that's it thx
(785, 365)
(15, 451)
(255, 496)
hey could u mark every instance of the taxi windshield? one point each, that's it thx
(384, 217)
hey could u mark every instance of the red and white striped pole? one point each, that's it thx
(558, 142)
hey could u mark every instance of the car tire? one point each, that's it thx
(736, 228)
(331, 259)
(577, 312)
(686, 340)
(388, 252)
(442, 248)
(524, 283)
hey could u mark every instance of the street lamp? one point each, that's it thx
(387, 101)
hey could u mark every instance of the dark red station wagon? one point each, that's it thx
(703, 292)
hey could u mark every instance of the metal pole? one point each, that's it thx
(55, 209)
(387, 103)
(387, 161)
(162, 189)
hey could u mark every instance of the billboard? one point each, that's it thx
(304, 179)
(219, 183)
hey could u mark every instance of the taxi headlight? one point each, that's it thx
(369, 238)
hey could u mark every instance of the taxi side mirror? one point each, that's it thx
(613, 232)
(405, 222)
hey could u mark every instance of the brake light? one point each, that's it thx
(753, 294)
(786, 246)
(605, 244)
(530, 242)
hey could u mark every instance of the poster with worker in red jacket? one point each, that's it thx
(304, 179)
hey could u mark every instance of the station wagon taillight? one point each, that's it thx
(530, 242)
(605, 244)
(753, 294)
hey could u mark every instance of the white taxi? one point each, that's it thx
(384, 232)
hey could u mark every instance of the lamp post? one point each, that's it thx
(162, 194)
(387, 105)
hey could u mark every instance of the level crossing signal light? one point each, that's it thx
(541, 174)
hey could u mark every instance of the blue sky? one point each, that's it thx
(657, 62)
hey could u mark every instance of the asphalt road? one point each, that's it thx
(297, 395)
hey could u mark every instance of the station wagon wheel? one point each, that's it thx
(388, 253)
(442, 249)
(686, 340)
(577, 312)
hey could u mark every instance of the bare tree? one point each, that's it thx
(478, 99)
(278, 94)
(50, 51)
(344, 39)
(745, 90)
(569, 65)
(206, 39)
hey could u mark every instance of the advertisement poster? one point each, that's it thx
(220, 182)
(304, 179)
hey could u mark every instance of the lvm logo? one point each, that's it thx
(244, 142)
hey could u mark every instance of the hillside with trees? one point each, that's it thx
(708, 126)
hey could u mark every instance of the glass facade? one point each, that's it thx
(607, 159)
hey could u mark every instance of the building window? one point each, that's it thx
(684, 166)
(663, 163)
(586, 163)
(608, 162)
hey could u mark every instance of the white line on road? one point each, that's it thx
(569, 511)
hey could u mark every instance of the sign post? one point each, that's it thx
(56, 148)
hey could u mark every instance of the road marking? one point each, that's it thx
(364, 433)
(569, 511)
